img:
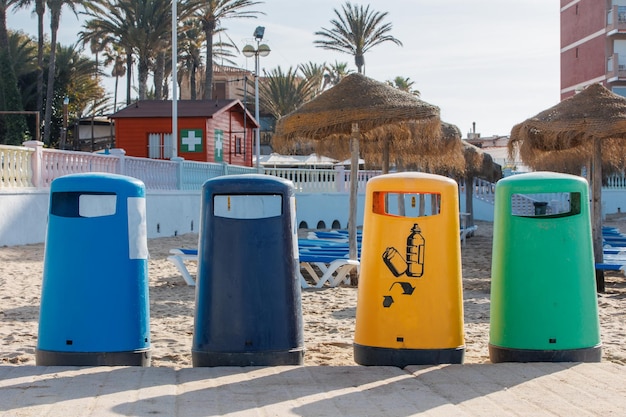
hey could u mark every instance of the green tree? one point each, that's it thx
(55, 7)
(12, 126)
(24, 59)
(404, 84)
(354, 31)
(116, 57)
(314, 74)
(190, 41)
(75, 80)
(334, 73)
(283, 92)
(40, 8)
(211, 14)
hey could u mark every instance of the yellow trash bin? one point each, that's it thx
(410, 299)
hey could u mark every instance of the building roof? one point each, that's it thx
(186, 108)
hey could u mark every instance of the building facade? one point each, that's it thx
(593, 45)
(208, 130)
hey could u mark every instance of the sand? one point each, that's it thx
(328, 313)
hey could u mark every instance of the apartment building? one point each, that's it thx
(593, 45)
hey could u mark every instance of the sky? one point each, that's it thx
(494, 63)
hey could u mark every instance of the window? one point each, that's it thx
(160, 146)
(546, 205)
(619, 91)
(238, 147)
(407, 204)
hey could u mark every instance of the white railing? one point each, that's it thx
(616, 181)
(56, 163)
(34, 166)
(15, 166)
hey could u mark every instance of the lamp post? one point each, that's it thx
(66, 102)
(249, 51)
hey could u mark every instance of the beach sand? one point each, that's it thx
(328, 313)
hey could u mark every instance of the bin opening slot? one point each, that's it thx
(546, 205)
(406, 204)
(247, 206)
(83, 204)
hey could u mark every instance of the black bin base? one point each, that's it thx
(499, 354)
(377, 356)
(129, 358)
(274, 358)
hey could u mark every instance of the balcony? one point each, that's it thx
(616, 68)
(616, 20)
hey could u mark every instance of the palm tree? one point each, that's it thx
(190, 47)
(12, 127)
(114, 25)
(116, 57)
(283, 92)
(141, 27)
(54, 6)
(404, 84)
(75, 80)
(334, 73)
(211, 13)
(314, 74)
(24, 60)
(40, 8)
(355, 31)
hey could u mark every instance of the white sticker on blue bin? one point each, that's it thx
(96, 205)
(137, 228)
(249, 206)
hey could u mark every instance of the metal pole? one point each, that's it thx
(174, 82)
(257, 137)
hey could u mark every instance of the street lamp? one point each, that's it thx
(66, 102)
(249, 51)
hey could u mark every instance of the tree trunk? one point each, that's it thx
(208, 83)
(40, 8)
(142, 75)
(129, 74)
(159, 76)
(55, 16)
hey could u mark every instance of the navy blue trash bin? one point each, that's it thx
(94, 298)
(248, 310)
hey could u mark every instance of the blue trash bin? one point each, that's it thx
(94, 298)
(248, 308)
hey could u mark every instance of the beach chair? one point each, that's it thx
(178, 256)
(613, 260)
(334, 268)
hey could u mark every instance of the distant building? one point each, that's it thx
(593, 45)
(230, 83)
(497, 147)
(208, 130)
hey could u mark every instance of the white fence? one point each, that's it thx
(33, 165)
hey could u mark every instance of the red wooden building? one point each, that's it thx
(208, 130)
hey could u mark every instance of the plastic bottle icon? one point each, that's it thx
(415, 253)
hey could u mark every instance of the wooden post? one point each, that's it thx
(354, 170)
(596, 222)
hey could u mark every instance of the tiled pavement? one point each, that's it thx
(550, 389)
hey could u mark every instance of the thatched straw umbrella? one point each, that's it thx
(354, 106)
(569, 135)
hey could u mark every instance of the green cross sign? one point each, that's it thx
(219, 145)
(191, 140)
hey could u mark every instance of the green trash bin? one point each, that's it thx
(543, 293)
